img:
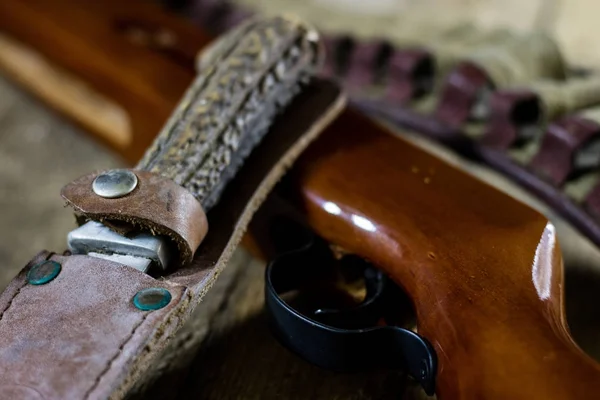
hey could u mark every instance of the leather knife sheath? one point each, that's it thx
(80, 335)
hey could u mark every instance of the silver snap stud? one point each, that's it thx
(114, 183)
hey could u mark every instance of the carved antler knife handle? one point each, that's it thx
(245, 80)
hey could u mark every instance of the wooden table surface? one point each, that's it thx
(226, 350)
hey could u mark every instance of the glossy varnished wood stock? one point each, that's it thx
(132, 52)
(484, 271)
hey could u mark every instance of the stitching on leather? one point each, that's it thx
(48, 256)
(11, 300)
(119, 351)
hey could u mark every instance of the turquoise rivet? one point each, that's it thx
(151, 299)
(44, 272)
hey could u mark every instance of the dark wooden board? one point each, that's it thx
(226, 350)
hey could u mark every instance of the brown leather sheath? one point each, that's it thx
(80, 334)
(80, 337)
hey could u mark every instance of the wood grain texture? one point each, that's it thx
(65, 92)
(155, 53)
(484, 271)
(33, 168)
(226, 350)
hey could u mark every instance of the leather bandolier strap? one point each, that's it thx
(79, 326)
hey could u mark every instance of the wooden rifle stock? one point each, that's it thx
(483, 270)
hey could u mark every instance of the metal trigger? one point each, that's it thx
(365, 314)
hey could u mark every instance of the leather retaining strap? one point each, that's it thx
(79, 333)
(156, 205)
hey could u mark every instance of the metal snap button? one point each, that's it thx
(151, 299)
(43, 272)
(115, 183)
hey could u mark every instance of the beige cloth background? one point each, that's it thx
(573, 22)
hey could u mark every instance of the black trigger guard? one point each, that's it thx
(349, 341)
